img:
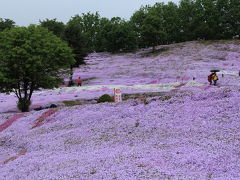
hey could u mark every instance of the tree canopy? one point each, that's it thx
(54, 26)
(148, 27)
(31, 58)
(6, 24)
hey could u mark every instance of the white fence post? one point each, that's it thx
(117, 95)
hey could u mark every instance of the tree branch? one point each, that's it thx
(31, 90)
(19, 91)
(15, 91)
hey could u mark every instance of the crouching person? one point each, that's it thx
(214, 78)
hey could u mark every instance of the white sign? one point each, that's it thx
(117, 95)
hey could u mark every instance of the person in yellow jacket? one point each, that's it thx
(214, 78)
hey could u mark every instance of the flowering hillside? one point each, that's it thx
(143, 71)
(190, 131)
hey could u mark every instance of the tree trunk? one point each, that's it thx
(25, 108)
(153, 49)
(23, 104)
(71, 75)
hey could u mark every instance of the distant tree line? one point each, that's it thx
(148, 27)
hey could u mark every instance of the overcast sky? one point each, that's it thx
(25, 12)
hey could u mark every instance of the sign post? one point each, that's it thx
(117, 95)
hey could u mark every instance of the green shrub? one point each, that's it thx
(105, 98)
(71, 103)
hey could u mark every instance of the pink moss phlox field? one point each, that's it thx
(192, 135)
(40, 121)
(180, 85)
(188, 132)
(21, 153)
(9, 122)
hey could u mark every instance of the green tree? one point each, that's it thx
(205, 19)
(127, 41)
(224, 26)
(171, 22)
(116, 35)
(31, 58)
(153, 32)
(148, 23)
(77, 40)
(90, 25)
(101, 36)
(137, 21)
(54, 26)
(233, 17)
(186, 15)
(6, 24)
